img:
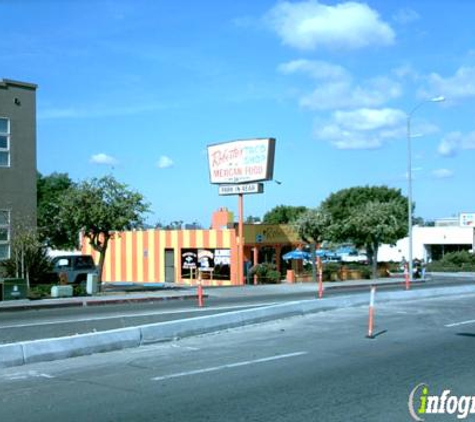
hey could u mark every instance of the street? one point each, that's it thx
(46, 323)
(319, 367)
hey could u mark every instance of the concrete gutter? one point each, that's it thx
(23, 353)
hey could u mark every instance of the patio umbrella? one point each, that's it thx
(297, 254)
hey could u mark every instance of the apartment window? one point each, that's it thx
(4, 234)
(4, 142)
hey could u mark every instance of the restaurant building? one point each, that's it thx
(185, 257)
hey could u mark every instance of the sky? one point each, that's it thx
(138, 89)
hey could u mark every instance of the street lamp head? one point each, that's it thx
(438, 99)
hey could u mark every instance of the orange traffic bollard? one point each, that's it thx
(200, 295)
(320, 283)
(371, 313)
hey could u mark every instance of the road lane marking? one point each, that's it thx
(19, 376)
(228, 366)
(456, 324)
(177, 346)
(143, 314)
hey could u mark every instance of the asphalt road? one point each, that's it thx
(48, 323)
(319, 367)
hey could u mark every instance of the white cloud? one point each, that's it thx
(460, 85)
(442, 173)
(316, 69)
(309, 25)
(362, 129)
(343, 94)
(448, 146)
(455, 142)
(346, 139)
(335, 87)
(406, 16)
(423, 128)
(103, 159)
(366, 119)
(165, 162)
(406, 71)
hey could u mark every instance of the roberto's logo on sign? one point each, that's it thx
(241, 161)
(422, 403)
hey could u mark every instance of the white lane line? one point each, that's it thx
(143, 314)
(177, 346)
(228, 366)
(456, 324)
(18, 376)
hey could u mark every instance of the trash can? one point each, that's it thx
(290, 276)
(92, 284)
(14, 288)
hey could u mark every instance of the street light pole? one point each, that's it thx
(409, 177)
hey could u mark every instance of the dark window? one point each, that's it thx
(4, 142)
(84, 262)
(4, 234)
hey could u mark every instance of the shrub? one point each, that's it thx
(40, 291)
(330, 271)
(459, 258)
(37, 262)
(273, 276)
(454, 262)
(356, 271)
(79, 290)
(266, 273)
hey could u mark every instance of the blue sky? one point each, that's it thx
(140, 88)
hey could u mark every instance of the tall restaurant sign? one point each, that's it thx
(242, 161)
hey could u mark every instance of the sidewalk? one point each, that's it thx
(121, 292)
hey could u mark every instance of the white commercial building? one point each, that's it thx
(431, 243)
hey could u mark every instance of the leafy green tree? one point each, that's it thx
(283, 214)
(367, 216)
(312, 225)
(374, 223)
(49, 191)
(99, 207)
(251, 219)
(340, 204)
(29, 258)
(174, 225)
(419, 221)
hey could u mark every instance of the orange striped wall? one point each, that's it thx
(139, 256)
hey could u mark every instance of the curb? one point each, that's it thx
(397, 282)
(39, 304)
(17, 354)
(92, 302)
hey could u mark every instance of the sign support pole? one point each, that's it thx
(320, 278)
(256, 258)
(407, 276)
(240, 271)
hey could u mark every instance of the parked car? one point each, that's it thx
(355, 256)
(74, 268)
